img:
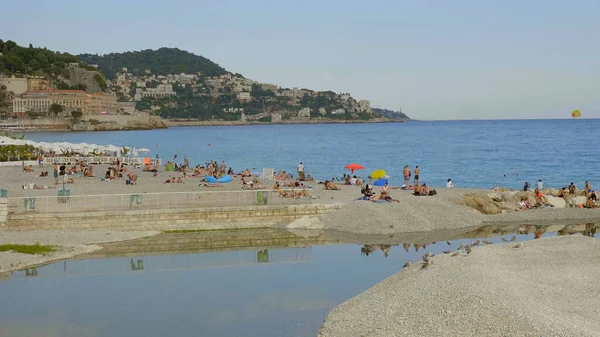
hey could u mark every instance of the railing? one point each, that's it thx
(93, 160)
(119, 202)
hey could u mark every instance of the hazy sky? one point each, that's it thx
(436, 59)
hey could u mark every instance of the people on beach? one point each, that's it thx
(540, 185)
(449, 183)
(540, 198)
(330, 186)
(526, 187)
(55, 167)
(562, 193)
(588, 187)
(417, 172)
(301, 171)
(406, 174)
(572, 188)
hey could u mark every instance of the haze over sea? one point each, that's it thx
(474, 154)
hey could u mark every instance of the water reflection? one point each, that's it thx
(487, 235)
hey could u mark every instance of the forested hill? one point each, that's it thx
(163, 61)
(391, 114)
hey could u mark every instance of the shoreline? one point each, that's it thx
(188, 123)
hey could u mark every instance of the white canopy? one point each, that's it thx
(58, 147)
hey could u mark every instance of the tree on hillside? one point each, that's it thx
(55, 109)
(76, 114)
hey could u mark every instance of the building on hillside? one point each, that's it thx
(69, 99)
(127, 108)
(101, 103)
(244, 96)
(338, 112)
(266, 86)
(17, 85)
(365, 106)
(276, 117)
(233, 110)
(37, 83)
(37, 102)
(161, 91)
(304, 112)
(322, 111)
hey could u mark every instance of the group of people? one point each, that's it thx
(565, 192)
(298, 190)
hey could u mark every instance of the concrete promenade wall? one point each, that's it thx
(164, 219)
(3, 211)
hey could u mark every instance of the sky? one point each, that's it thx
(436, 60)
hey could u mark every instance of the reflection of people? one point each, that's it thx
(539, 231)
(262, 256)
(366, 250)
(590, 230)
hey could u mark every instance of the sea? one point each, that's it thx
(474, 154)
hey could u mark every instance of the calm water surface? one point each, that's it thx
(179, 286)
(472, 153)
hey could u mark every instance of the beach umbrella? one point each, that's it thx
(378, 174)
(380, 182)
(576, 114)
(354, 166)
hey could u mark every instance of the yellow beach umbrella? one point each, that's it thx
(576, 114)
(378, 174)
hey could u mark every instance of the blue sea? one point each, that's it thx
(479, 154)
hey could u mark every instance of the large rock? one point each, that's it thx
(483, 204)
(556, 201)
(577, 201)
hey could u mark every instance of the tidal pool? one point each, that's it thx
(220, 283)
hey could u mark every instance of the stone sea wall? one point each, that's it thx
(165, 219)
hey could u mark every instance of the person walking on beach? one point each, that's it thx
(301, 171)
(417, 171)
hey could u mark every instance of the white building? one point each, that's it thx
(244, 96)
(304, 112)
(338, 112)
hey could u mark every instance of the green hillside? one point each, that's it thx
(162, 61)
(30, 60)
(391, 114)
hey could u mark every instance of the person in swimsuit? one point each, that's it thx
(406, 173)
(417, 171)
(572, 188)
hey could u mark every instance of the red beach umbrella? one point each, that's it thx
(354, 166)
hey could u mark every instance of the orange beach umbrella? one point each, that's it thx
(353, 167)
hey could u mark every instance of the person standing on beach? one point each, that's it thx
(416, 175)
(301, 171)
(56, 173)
(406, 174)
(540, 185)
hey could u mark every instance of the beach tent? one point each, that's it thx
(380, 182)
(170, 167)
(147, 161)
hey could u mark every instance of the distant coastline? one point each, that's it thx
(187, 122)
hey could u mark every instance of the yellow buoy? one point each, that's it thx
(576, 114)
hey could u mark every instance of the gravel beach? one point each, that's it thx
(546, 288)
